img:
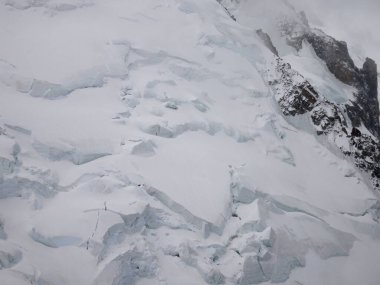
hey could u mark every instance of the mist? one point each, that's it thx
(356, 22)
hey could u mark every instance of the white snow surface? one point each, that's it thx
(140, 144)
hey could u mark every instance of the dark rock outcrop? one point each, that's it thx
(366, 106)
(327, 117)
(366, 154)
(355, 132)
(294, 93)
(335, 54)
(364, 110)
(296, 96)
(341, 123)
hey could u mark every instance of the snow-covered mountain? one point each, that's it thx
(184, 142)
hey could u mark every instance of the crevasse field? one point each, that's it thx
(141, 144)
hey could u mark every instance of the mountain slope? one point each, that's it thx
(167, 143)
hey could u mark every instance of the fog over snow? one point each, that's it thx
(355, 21)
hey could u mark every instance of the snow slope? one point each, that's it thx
(140, 143)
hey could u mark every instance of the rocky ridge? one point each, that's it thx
(365, 109)
(340, 122)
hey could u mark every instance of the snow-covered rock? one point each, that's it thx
(184, 142)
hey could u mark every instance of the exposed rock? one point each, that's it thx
(369, 71)
(327, 117)
(365, 108)
(356, 133)
(295, 95)
(335, 54)
(366, 153)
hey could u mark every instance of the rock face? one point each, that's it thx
(340, 122)
(335, 54)
(327, 117)
(293, 92)
(366, 153)
(365, 109)
(296, 96)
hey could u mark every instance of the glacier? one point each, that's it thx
(184, 142)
